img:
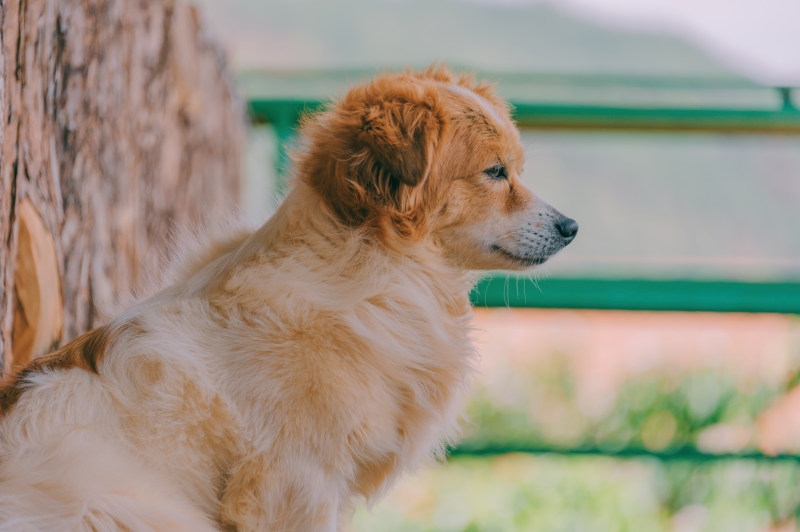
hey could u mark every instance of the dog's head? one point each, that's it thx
(424, 155)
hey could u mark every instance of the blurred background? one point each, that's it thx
(646, 379)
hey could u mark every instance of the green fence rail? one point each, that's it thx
(638, 294)
(684, 453)
(283, 113)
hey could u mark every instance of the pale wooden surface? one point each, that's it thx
(38, 313)
(119, 126)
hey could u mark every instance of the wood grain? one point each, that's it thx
(120, 127)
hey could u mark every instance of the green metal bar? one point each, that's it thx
(638, 294)
(284, 130)
(688, 454)
(287, 109)
(786, 99)
(283, 115)
(582, 117)
(545, 116)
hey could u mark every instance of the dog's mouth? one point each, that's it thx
(526, 260)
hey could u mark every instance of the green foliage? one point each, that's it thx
(555, 493)
(655, 411)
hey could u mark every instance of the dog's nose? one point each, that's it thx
(568, 228)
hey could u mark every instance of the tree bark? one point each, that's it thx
(118, 126)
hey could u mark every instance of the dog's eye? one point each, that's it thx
(497, 171)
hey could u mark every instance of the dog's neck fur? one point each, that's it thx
(343, 263)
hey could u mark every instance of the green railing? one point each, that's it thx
(681, 454)
(639, 294)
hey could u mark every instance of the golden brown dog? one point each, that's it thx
(291, 370)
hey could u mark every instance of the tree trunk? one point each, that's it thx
(118, 127)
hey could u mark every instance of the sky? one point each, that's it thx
(759, 38)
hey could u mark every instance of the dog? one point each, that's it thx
(294, 370)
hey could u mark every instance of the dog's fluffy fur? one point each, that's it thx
(292, 369)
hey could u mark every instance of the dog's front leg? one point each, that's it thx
(271, 494)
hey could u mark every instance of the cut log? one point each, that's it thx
(118, 126)
(38, 314)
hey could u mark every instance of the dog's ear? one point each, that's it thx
(372, 155)
(403, 137)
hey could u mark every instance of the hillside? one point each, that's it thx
(316, 34)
